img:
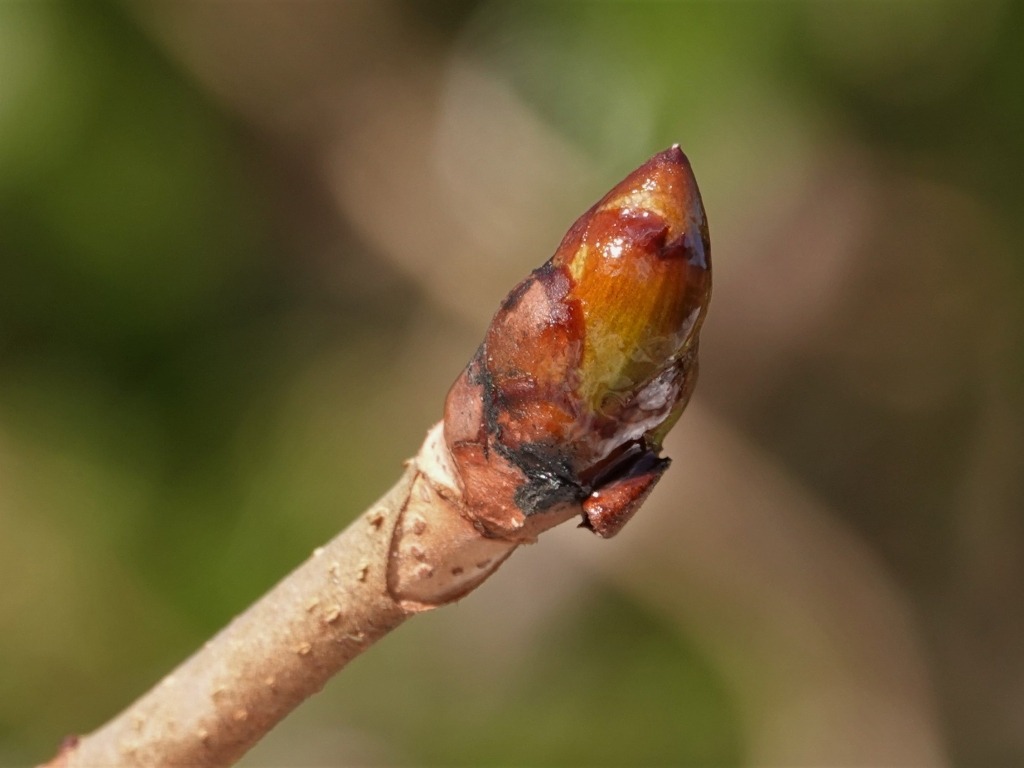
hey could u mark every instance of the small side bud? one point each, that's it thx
(588, 363)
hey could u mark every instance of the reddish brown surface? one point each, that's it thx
(587, 363)
(610, 506)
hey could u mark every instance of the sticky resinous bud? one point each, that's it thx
(587, 364)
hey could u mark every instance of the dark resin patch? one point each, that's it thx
(550, 478)
(542, 492)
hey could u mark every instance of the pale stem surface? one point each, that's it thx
(394, 560)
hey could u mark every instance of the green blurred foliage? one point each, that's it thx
(192, 395)
(588, 704)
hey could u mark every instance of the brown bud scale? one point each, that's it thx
(587, 364)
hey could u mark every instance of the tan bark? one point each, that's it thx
(411, 551)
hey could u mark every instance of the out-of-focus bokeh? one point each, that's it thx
(246, 247)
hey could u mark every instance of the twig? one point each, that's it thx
(560, 414)
(284, 648)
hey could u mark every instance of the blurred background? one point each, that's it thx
(246, 247)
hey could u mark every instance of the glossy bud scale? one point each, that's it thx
(588, 363)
